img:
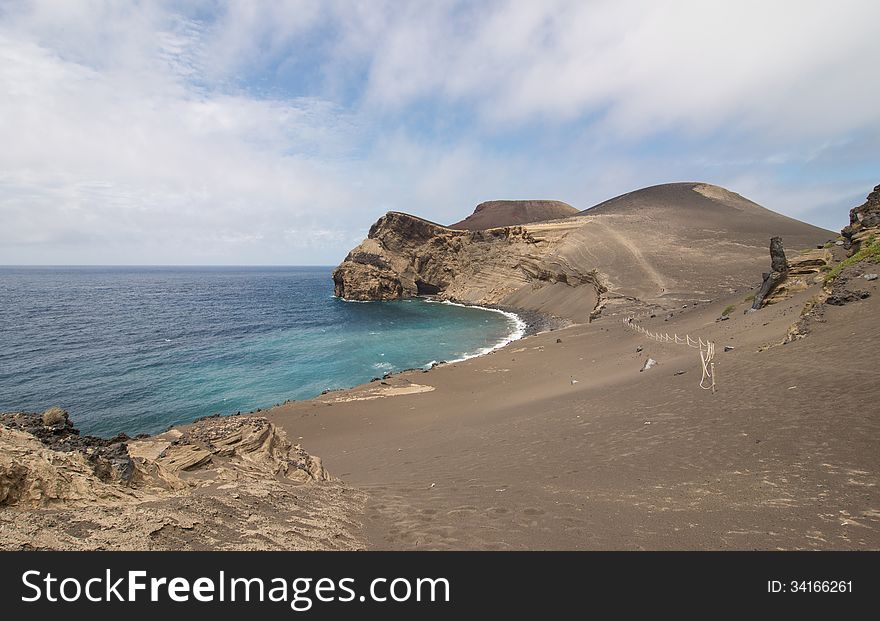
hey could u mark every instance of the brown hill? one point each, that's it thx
(662, 245)
(707, 205)
(492, 214)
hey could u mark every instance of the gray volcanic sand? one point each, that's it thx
(507, 453)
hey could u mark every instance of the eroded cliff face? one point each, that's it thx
(405, 256)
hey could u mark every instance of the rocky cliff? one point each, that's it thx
(661, 245)
(405, 256)
(864, 221)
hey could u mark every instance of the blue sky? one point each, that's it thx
(277, 132)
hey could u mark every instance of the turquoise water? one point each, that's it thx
(135, 350)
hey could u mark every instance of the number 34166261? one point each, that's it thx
(810, 586)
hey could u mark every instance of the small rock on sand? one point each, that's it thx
(649, 364)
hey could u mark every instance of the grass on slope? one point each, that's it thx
(870, 251)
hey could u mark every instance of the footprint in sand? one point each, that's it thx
(462, 511)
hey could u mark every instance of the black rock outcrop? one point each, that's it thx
(776, 275)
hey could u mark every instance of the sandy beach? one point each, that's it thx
(558, 441)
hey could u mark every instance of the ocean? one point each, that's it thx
(137, 349)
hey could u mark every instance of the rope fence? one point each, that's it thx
(707, 349)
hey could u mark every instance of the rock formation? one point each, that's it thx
(55, 465)
(661, 245)
(843, 280)
(778, 272)
(405, 256)
(864, 221)
(804, 270)
(177, 489)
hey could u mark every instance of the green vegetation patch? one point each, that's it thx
(728, 309)
(870, 251)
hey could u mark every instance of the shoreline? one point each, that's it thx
(519, 331)
(528, 323)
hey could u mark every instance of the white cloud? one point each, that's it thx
(778, 66)
(276, 132)
(137, 157)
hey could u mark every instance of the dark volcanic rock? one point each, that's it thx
(846, 296)
(109, 457)
(112, 462)
(846, 287)
(777, 274)
(865, 216)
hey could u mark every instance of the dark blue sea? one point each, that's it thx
(135, 350)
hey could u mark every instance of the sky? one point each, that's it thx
(276, 133)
